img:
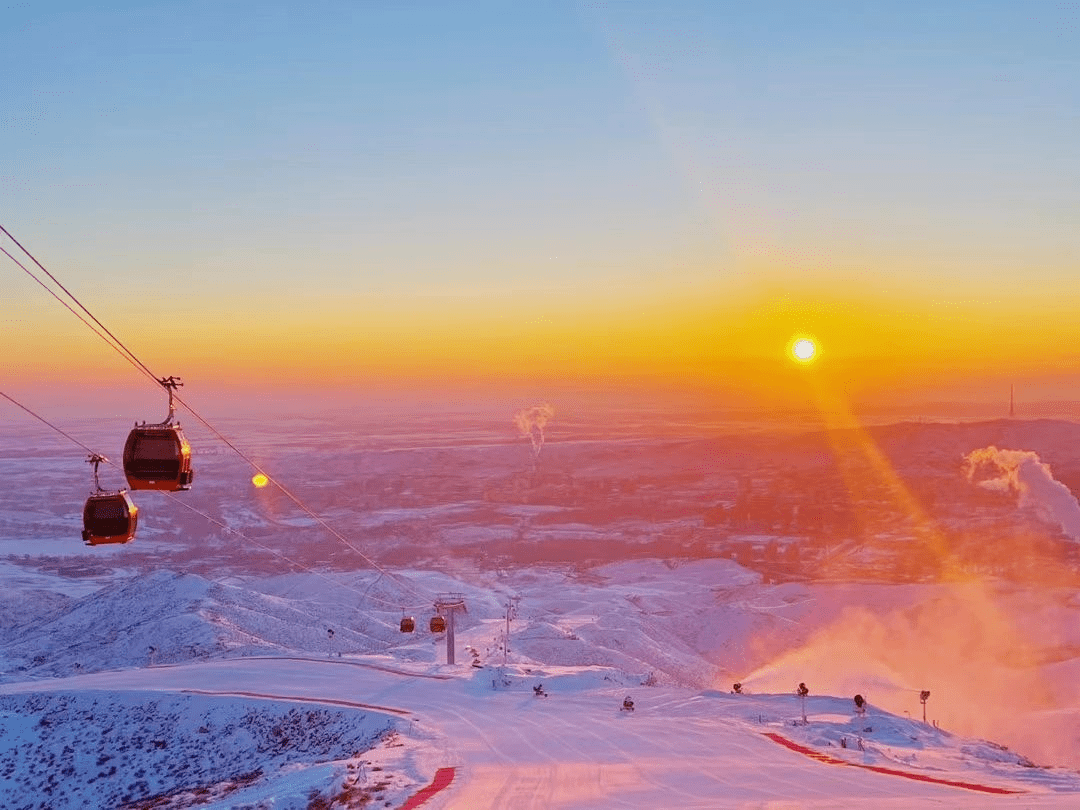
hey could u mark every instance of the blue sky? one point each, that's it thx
(546, 160)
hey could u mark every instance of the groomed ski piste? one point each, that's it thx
(277, 733)
(248, 723)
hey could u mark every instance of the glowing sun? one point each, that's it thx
(260, 480)
(803, 350)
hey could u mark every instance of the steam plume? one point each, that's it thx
(963, 642)
(1022, 472)
(531, 422)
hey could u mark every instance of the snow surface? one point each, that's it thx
(114, 749)
(120, 657)
(248, 705)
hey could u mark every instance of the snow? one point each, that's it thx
(121, 659)
(512, 749)
(692, 745)
(114, 749)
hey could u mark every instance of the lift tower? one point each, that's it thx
(447, 605)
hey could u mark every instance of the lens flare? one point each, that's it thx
(260, 480)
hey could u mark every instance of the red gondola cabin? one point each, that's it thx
(158, 457)
(109, 518)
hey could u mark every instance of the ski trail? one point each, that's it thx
(299, 699)
(333, 661)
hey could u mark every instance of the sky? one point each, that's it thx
(649, 198)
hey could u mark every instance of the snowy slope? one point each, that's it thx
(120, 749)
(573, 749)
(250, 663)
(188, 628)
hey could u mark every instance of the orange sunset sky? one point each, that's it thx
(585, 196)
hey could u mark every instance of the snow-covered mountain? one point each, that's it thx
(213, 671)
(248, 702)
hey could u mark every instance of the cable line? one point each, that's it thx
(303, 507)
(363, 594)
(89, 325)
(296, 500)
(142, 366)
(77, 301)
(50, 424)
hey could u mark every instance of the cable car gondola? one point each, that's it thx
(157, 456)
(437, 624)
(108, 517)
(408, 624)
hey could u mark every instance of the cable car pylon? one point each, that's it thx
(157, 456)
(447, 605)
